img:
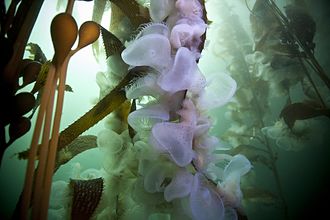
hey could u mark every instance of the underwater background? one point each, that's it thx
(300, 182)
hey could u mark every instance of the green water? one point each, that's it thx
(303, 174)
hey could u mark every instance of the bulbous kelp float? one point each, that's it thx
(163, 165)
(16, 25)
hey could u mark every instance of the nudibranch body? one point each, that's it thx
(177, 135)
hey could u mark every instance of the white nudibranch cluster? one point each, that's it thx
(175, 157)
(171, 170)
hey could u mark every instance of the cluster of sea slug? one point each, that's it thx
(177, 166)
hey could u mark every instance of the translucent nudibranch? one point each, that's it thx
(173, 153)
(177, 151)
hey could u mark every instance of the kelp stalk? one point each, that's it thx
(29, 176)
(88, 33)
(43, 149)
(53, 144)
(312, 82)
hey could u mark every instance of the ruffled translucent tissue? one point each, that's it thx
(206, 141)
(154, 176)
(144, 151)
(156, 50)
(180, 186)
(185, 68)
(144, 86)
(174, 139)
(188, 113)
(109, 141)
(202, 126)
(187, 33)
(197, 25)
(60, 196)
(236, 168)
(189, 8)
(218, 92)
(204, 202)
(181, 35)
(153, 28)
(146, 118)
(159, 10)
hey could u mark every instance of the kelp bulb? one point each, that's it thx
(88, 33)
(19, 127)
(24, 102)
(23, 64)
(64, 32)
(30, 72)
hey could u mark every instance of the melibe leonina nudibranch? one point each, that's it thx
(173, 168)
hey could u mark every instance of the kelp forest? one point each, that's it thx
(164, 109)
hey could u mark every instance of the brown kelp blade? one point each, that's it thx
(112, 44)
(86, 196)
(79, 145)
(301, 111)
